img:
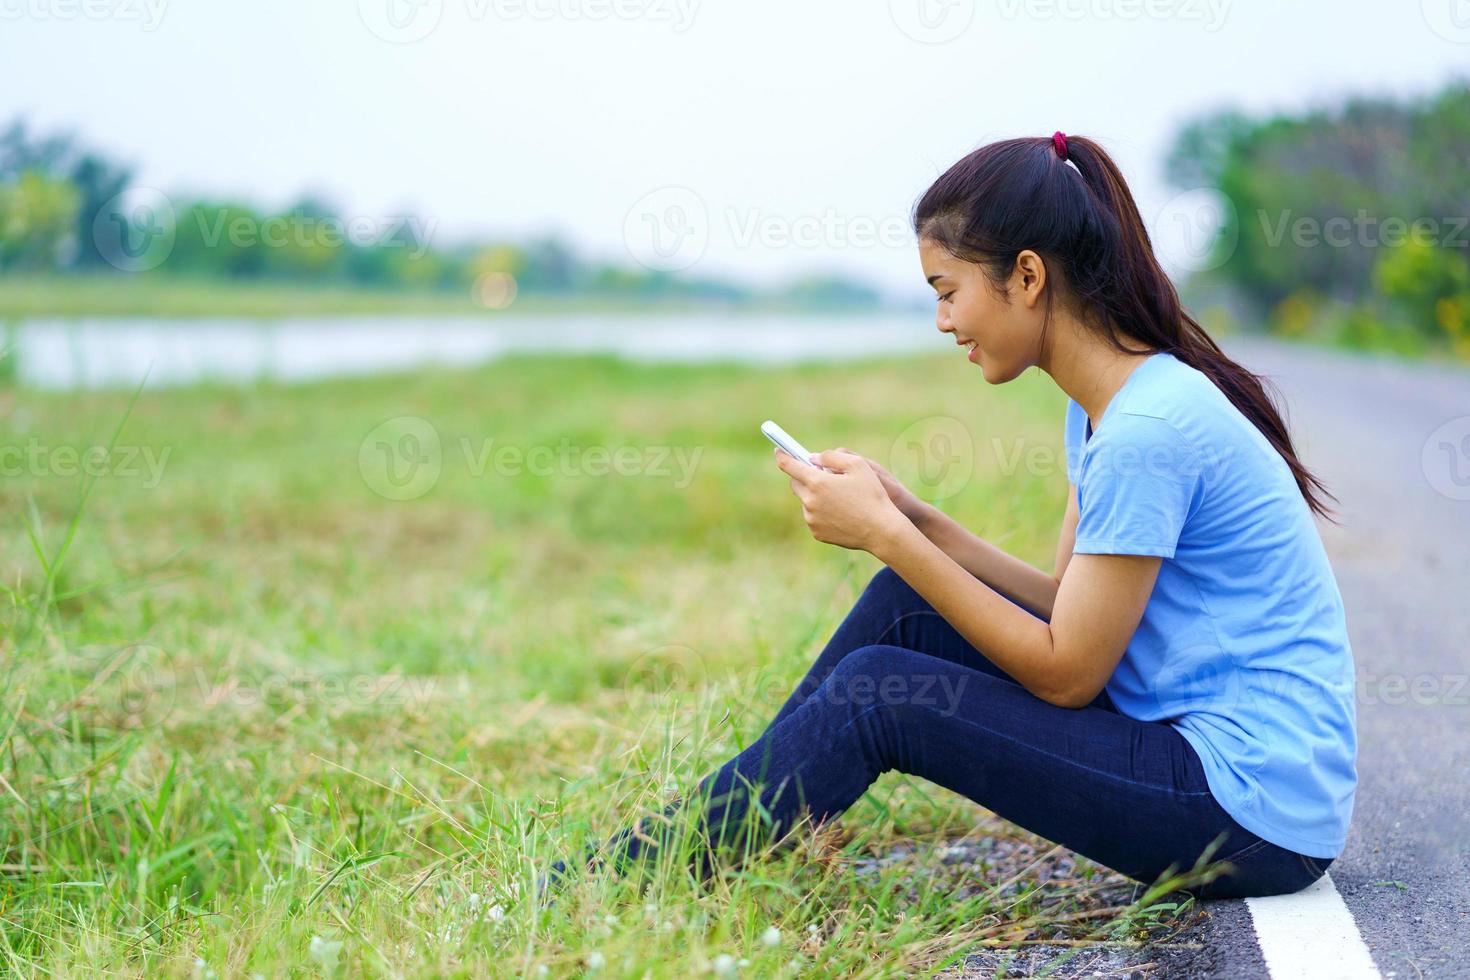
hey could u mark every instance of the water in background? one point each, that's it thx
(97, 353)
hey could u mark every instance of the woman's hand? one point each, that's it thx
(903, 498)
(849, 506)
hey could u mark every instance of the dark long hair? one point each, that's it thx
(1020, 194)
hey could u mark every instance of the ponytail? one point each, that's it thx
(1021, 194)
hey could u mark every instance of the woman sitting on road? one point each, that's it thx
(1183, 680)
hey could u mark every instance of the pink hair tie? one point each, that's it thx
(1059, 143)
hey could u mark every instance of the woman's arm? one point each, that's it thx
(1067, 661)
(1019, 581)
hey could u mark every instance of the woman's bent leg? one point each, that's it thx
(1128, 794)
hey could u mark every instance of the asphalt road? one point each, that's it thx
(1392, 441)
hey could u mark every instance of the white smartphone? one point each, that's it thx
(783, 440)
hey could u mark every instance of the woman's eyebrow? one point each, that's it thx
(937, 275)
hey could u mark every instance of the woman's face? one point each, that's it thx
(1002, 331)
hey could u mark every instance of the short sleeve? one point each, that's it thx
(1072, 430)
(1137, 485)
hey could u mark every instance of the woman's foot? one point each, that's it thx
(558, 873)
(626, 846)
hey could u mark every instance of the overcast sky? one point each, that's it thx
(760, 138)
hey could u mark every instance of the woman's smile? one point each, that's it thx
(973, 345)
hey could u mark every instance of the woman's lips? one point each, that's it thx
(973, 355)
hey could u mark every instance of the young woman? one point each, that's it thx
(1183, 679)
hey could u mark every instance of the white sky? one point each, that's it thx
(514, 116)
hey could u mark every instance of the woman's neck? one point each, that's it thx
(1088, 368)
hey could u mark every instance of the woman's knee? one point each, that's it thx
(876, 661)
(886, 676)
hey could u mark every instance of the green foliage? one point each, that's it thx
(37, 216)
(95, 179)
(1431, 285)
(1358, 213)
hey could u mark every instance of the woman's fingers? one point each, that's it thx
(793, 467)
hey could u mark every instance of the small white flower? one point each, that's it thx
(611, 920)
(743, 963)
(812, 929)
(325, 952)
(771, 937)
(541, 970)
(495, 913)
(724, 965)
(475, 900)
(596, 961)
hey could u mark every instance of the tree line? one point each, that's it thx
(1351, 221)
(67, 208)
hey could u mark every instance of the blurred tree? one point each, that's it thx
(826, 292)
(1429, 283)
(309, 241)
(218, 239)
(37, 221)
(551, 267)
(1321, 199)
(60, 157)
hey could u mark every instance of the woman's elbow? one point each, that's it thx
(1069, 695)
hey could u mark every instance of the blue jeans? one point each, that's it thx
(898, 688)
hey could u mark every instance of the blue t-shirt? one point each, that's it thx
(1243, 644)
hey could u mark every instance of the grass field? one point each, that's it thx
(269, 707)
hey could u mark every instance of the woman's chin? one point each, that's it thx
(993, 371)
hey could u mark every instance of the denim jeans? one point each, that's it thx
(898, 688)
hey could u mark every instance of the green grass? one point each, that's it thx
(256, 717)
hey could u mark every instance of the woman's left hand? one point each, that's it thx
(847, 507)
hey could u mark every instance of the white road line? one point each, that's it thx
(1310, 934)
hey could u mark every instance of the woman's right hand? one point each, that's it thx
(903, 498)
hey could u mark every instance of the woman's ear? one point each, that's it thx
(1030, 277)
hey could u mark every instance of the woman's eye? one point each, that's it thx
(944, 298)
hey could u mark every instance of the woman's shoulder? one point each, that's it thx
(1186, 401)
